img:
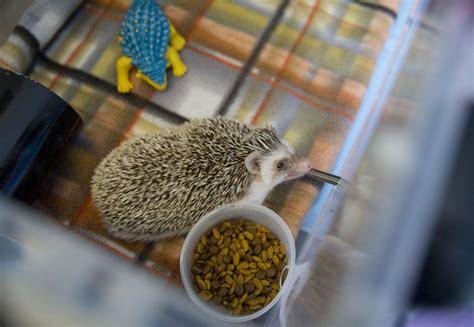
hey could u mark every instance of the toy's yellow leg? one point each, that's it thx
(179, 68)
(124, 64)
(176, 40)
(159, 87)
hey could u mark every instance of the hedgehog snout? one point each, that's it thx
(300, 168)
(306, 163)
(304, 166)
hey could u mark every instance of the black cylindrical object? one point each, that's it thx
(35, 127)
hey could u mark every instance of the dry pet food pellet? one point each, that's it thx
(237, 265)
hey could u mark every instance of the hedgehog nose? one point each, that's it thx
(307, 164)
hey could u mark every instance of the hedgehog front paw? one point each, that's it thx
(179, 70)
(178, 42)
(124, 86)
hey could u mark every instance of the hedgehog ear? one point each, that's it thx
(251, 162)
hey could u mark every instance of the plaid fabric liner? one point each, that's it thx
(308, 82)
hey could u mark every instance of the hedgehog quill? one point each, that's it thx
(158, 186)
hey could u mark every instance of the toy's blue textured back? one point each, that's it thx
(146, 33)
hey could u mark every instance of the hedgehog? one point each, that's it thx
(158, 186)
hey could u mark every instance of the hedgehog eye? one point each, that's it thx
(281, 165)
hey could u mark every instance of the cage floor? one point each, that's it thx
(308, 82)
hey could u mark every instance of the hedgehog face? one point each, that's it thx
(277, 166)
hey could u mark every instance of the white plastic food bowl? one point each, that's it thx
(255, 213)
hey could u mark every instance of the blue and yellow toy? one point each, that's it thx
(150, 43)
